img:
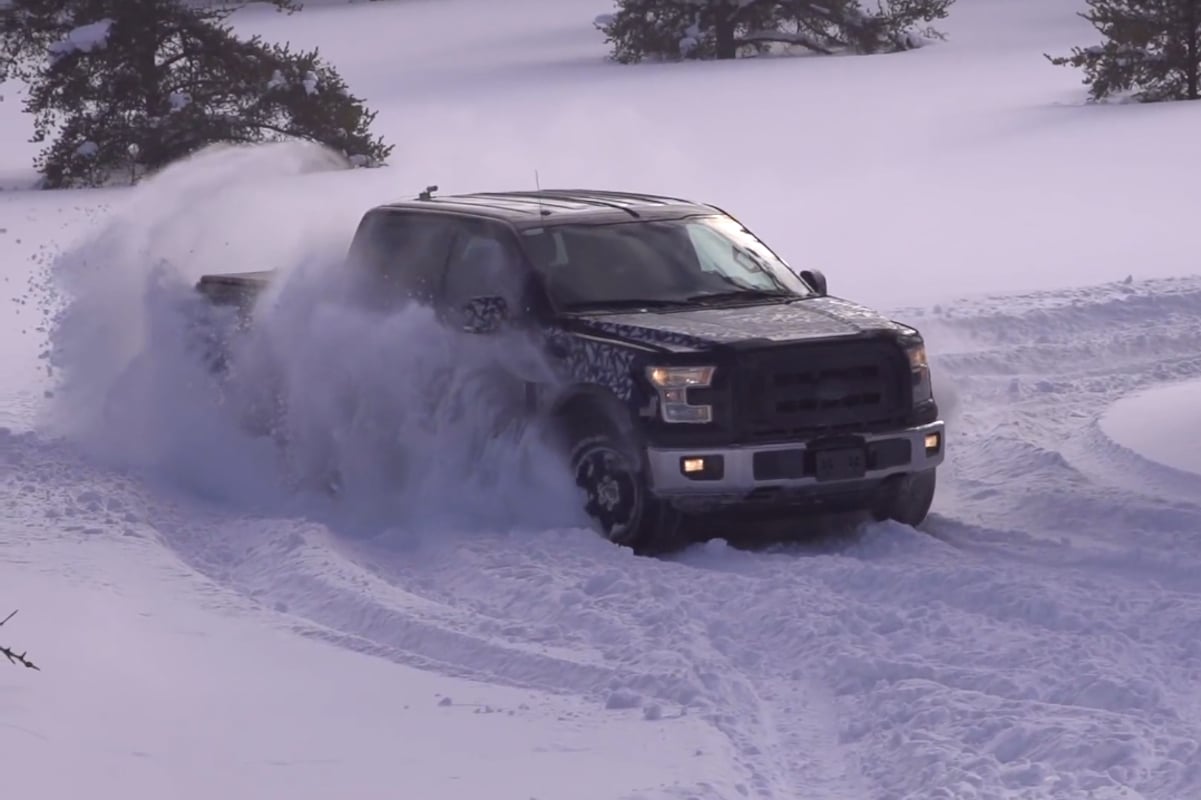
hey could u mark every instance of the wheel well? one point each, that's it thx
(587, 406)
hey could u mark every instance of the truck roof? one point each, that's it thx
(547, 206)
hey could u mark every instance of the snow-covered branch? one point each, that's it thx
(83, 39)
(115, 96)
(1151, 49)
(799, 38)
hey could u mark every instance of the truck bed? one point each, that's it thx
(234, 288)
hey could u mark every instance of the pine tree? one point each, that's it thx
(1152, 49)
(118, 87)
(673, 29)
(724, 29)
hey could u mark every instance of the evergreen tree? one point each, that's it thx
(724, 29)
(1151, 47)
(118, 87)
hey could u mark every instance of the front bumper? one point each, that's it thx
(794, 467)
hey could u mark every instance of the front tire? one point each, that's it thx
(617, 497)
(907, 498)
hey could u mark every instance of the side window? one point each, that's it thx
(723, 258)
(711, 249)
(485, 261)
(398, 256)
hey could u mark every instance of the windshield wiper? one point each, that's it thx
(625, 303)
(744, 294)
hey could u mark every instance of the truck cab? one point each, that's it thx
(695, 371)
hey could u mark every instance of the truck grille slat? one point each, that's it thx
(822, 387)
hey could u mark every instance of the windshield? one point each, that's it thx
(657, 262)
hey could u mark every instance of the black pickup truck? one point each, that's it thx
(695, 371)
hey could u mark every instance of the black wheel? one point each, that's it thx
(907, 498)
(613, 478)
(612, 483)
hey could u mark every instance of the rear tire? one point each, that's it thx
(907, 499)
(617, 498)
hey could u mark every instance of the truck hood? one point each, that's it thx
(702, 328)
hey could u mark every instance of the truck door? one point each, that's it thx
(488, 268)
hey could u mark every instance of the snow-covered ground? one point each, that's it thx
(1163, 424)
(202, 631)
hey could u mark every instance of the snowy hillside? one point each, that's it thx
(202, 631)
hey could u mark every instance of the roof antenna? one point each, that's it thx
(538, 185)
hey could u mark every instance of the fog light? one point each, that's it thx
(933, 442)
(703, 468)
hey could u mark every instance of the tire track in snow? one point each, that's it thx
(313, 581)
(1041, 639)
(948, 666)
(1036, 373)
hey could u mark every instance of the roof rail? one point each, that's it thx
(563, 195)
(658, 198)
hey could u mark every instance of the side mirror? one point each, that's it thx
(816, 279)
(484, 314)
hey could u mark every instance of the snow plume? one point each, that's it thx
(382, 419)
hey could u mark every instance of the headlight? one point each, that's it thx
(919, 367)
(672, 384)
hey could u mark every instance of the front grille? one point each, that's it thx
(826, 387)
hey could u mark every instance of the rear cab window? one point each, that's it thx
(486, 261)
(400, 256)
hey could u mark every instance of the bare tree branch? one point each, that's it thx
(13, 656)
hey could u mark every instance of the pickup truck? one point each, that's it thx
(694, 371)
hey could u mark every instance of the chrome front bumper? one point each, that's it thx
(740, 474)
